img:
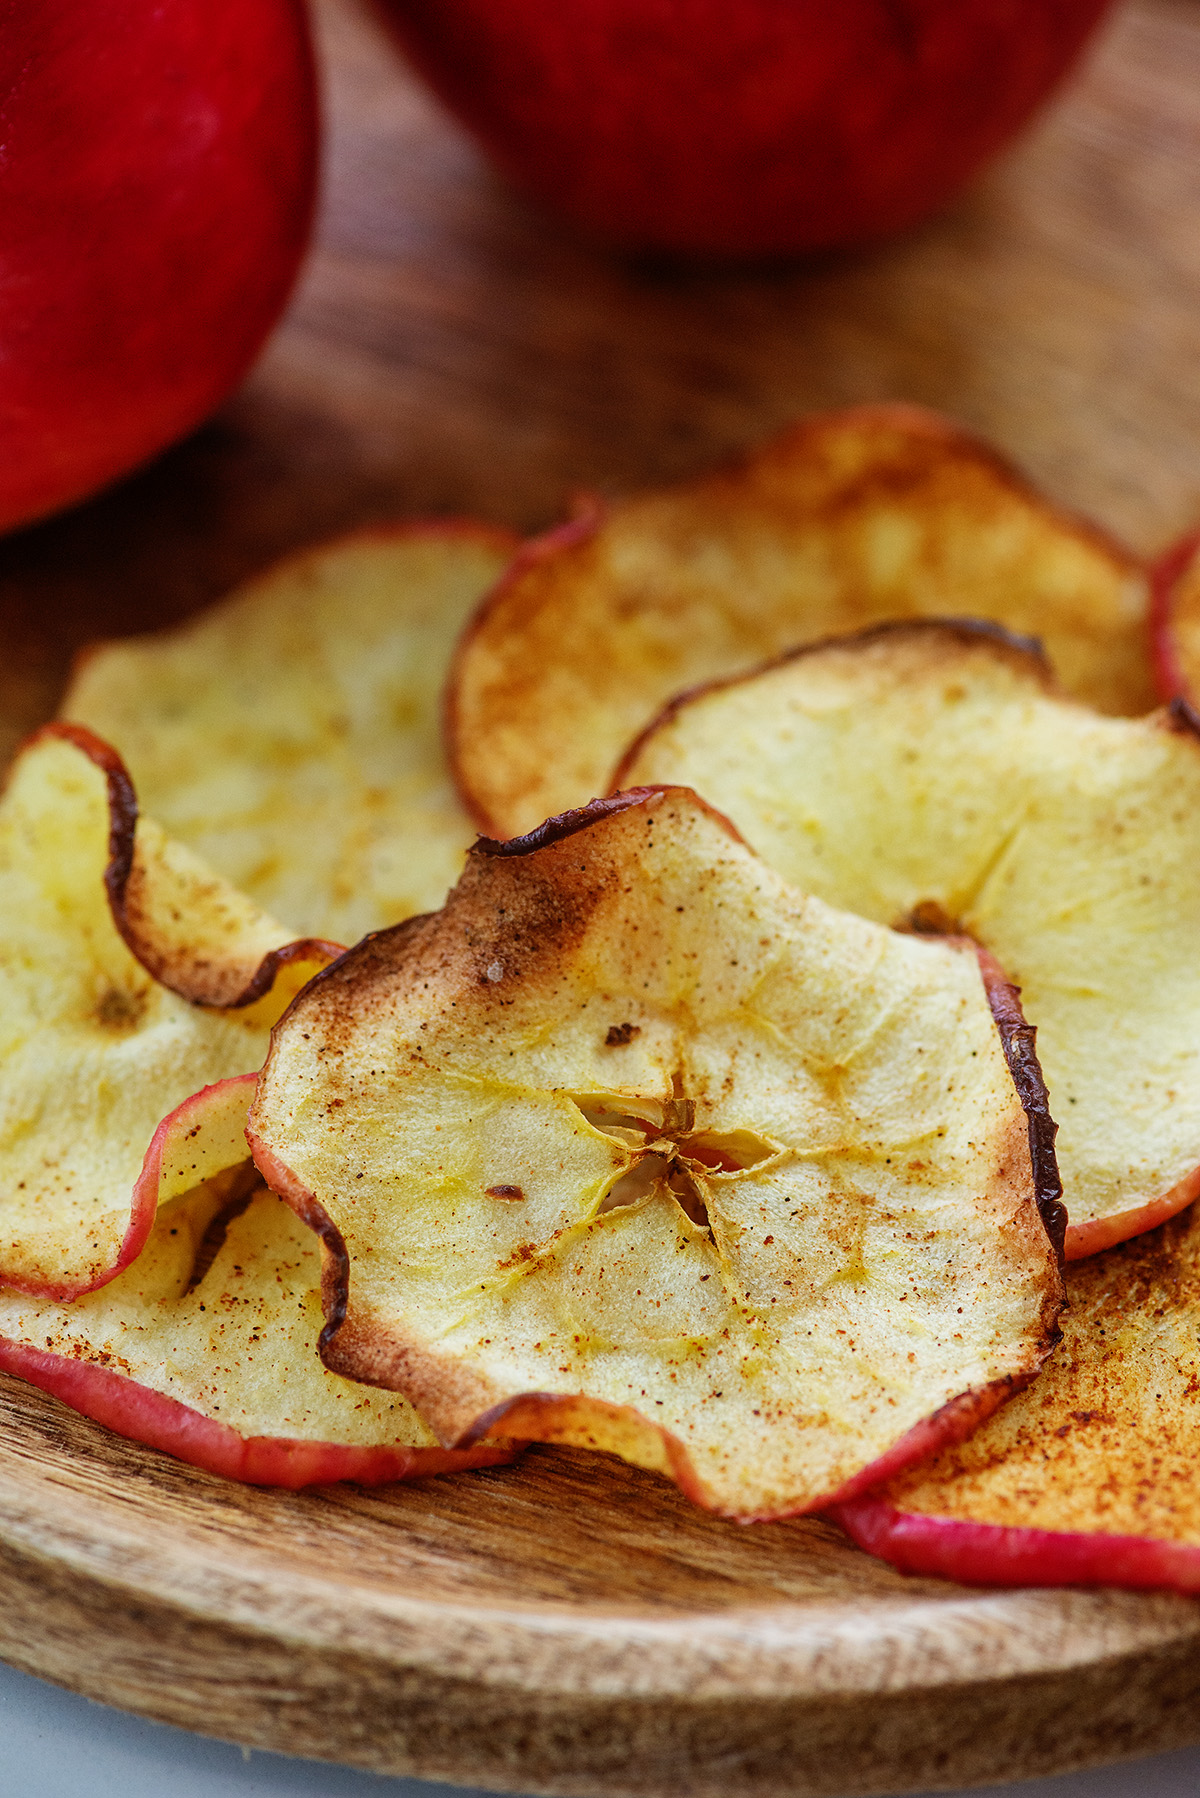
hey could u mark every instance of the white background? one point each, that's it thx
(55, 1745)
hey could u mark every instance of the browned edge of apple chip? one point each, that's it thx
(1019, 1040)
(1182, 716)
(924, 422)
(1165, 577)
(921, 423)
(548, 1416)
(485, 1449)
(224, 995)
(200, 982)
(1027, 651)
(335, 1260)
(565, 824)
(577, 529)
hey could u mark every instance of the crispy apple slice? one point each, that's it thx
(1089, 1477)
(1175, 611)
(291, 735)
(931, 771)
(99, 910)
(207, 1348)
(848, 519)
(190, 929)
(633, 1146)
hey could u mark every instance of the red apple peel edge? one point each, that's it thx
(990, 1554)
(1098, 1233)
(216, 1110)
(142, 1415)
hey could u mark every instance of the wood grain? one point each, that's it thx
(569, 1624)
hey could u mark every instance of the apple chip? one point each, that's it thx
(207, 1348)
(633, 1146)
(932, 773)
(99, 911)
(848, 519)
(1176, 621)
(1089, 1477)
(291, 735)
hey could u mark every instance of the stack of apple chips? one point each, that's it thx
(150, 1279)
(703, 1124)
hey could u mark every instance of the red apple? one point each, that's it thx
(765, 128)
(157, 174)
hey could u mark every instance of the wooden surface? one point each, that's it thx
(568, 1624)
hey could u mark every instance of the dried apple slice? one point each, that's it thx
(1176, 620)
(94, 1048)
(932, 770)
(207, 1348)
(189, 928)
(848, 519)
(636, 1147)
(1089, 1477)
(291, 735)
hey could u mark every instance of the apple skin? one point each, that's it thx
(143, 1415)
(158, 176)
(202, 1120)
(1095, 1234)
(769, 128)
(991, 1554)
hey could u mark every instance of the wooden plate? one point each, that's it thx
(566, 1624)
